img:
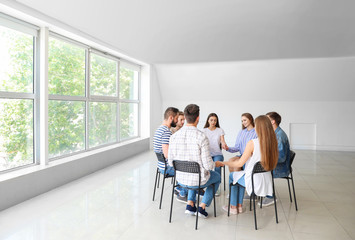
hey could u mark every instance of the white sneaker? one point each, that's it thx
(267, 201)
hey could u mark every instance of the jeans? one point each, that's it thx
(171, 172)
(233, 194)
(218, 158)
(215, 178)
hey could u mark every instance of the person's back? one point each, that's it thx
(190, 144)
(283, 164)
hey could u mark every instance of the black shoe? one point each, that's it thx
(202, 212)
(176, 192)
(190, 210)
(181, 199)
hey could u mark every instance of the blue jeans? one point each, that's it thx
(171, 172)
(215, 178)
(233, 194)
(215, 159)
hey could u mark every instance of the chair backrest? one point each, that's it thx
(186, 166)
(258, 168)
(292, 157)
(161, 158)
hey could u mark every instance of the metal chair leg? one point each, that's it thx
(289, 189)
(158, 178)
(294, 193)
(274, 195)
(155, 184)
(214, 200)
(198, 204)
(224, 177)
(256, 227)
(229, 200)
(172, 198)
(162, 192)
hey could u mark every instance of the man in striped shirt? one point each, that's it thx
(190, 144)
(161, 145)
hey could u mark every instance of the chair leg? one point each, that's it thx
(162, 192)
(155, 184)
(158, 178)
(256, 227)
(214, 200)
(224, 176)
(274, 195)
(198, 204)
(250, 200)
(289, 189)
(229, 200)
(261, 202)
(294, 193)
(171, 205)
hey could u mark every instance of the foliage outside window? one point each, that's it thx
(16, 114)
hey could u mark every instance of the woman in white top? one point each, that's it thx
(215, 136)
(263, 149)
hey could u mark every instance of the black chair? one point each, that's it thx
(290, 177)
(224, 177)
(258, 168)
(193, 168)
(161, 159)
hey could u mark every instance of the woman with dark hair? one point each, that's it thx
(215, 136)
(263, 149)
(244, 136)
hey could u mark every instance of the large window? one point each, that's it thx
(66, 107)
(93, 97)
(17, 60)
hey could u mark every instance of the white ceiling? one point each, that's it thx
(165, 31)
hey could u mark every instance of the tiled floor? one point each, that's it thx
(116, 203)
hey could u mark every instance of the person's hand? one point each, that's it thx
(219, 164)
(225, 147)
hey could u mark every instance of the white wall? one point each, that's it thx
(318, 91)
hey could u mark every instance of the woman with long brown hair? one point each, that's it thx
(263, 149)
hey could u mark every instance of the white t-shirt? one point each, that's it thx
(214, 137)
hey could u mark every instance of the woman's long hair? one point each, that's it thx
(250, 117)
(207, 124)
(268, 143)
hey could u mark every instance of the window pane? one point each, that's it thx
(16, 133)
(129, 120)
(103, 76)
(66, 68)
(66, 127)
(16, 61)
(128, 84)
(102, 123)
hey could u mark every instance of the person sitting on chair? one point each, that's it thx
(161, 145)
(262, 149)
(190, 144)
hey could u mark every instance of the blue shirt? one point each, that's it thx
(161, 136)
(283, 164)
(244, 136)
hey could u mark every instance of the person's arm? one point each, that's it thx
(246, 155)
(207, 162)
(165, 148)
(224, 144)
(235, 148)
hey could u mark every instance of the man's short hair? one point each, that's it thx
(170, 111)
(275, 116)
(192, 111)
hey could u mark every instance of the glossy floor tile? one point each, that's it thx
(116, 203)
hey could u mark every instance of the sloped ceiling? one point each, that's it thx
(166, 31)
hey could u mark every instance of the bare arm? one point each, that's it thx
(165, 148)
(246, 155)
(223, 142)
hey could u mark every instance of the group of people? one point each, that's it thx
(261, 140)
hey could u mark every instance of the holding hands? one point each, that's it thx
(219, 164)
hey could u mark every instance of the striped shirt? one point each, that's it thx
(190, 144)
(161, 136)
(244, 136)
